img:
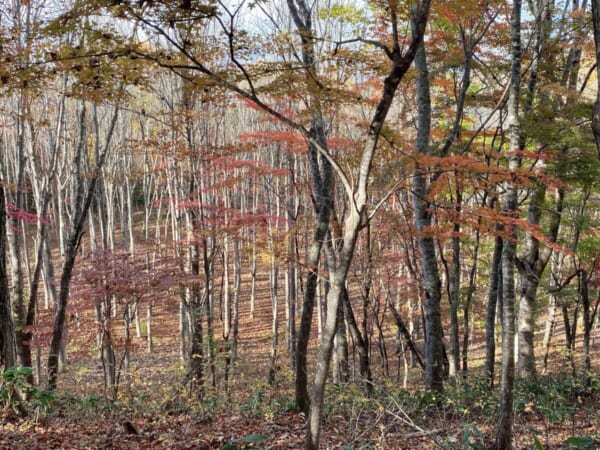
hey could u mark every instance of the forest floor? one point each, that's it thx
(150, 411)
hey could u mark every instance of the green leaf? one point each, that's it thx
(229, 447)
(254, 438)
(23, 371)
(537, 443)
(466, 436)
(581, 442)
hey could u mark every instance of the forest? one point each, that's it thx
(244, 224)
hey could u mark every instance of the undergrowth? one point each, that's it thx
(461, 417)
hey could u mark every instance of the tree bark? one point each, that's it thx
(531, 268)
(338, 280)
(321, 176)
(490, 319)
(360, 342)
(8, 355)
(434, 360)
(340, 356)
(504, 429)
(596, 107)
(454, 297)
(407, 337)
(467, 305)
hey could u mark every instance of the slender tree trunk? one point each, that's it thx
(454, 296)
(200, 301)
(292, 271)
(14, 236)
(364, 365)
(505, 415)
(253, 276)
(434, 360)
(526, 358)
(149, 343)
(589, 315)
(490, 320)
(336, 290)
(504, 430)
(321, 176)
(226, 307)
(340, 356)
(127, 338)
(26, 330)
(549, 331)
(208, 303)
(235, 307)
(570, 333)
(108, 363)
(196, 303)
(274, 319)
(405, 333)
(467, 306)
(196, 353)
(49, 278)
(183, 325)
(596, 108)
(8, 355)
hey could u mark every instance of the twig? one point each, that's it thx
(405, 419)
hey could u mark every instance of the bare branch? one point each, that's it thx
(372, 42)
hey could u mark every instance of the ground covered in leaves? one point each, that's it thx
(148, 409)
(549, 414)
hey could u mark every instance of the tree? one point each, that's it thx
(434, 366)
(596, 109)
(510, 207)
(321, 176)
(82, 202)
(8, 355)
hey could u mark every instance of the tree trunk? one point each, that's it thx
(549, 331)
(292, 271)
(467, 305)
(235, 307)
(196, 303)
(404, 332)
(183, 325)
(321, 176)
(8, 355)
(504, 429)
(336, 290)
(596, 108)
(340, 356)
(434, 365)
(274, 319)
(14, 238)
(526, 358)
(108, 363)
(149, 346)
(589, 315)
(454, 297)
(505, 415)
(360, 342)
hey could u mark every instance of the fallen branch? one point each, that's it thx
(421, 432)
